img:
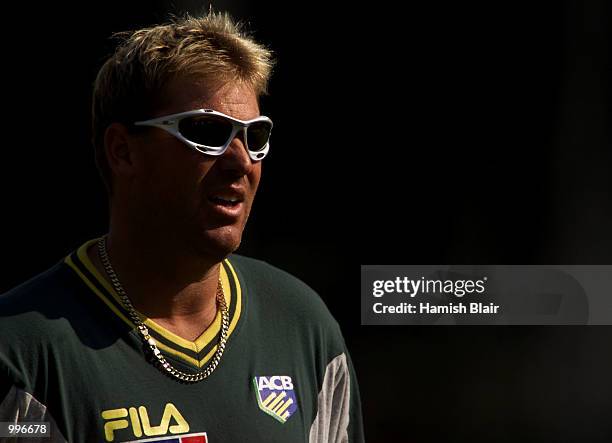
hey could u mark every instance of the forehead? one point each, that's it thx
(232, 98)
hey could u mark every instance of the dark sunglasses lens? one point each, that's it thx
(258, 134)
(209, 130)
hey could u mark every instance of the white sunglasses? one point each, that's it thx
(211, 132)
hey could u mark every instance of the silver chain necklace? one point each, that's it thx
(163, 364)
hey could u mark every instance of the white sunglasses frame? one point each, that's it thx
(170, 124)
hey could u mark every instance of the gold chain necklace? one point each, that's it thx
(161, 361)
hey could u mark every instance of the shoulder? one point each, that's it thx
(263, 274)
(33, 316)
(43, 294)
(274, 287)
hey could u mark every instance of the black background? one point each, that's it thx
(471, 133)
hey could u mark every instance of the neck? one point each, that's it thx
(167, 284)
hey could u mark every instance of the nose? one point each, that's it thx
(236, 158)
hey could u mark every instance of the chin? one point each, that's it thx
(219, 243)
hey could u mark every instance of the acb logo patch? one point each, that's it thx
(276, 396)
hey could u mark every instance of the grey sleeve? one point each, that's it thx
(20, 406)
(338, 404)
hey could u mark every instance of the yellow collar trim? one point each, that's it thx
(196, 345)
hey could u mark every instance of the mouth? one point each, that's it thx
(227, 203)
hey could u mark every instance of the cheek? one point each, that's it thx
(255, 177)
(171, 175)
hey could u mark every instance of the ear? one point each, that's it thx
(120, 146)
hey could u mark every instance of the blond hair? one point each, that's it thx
(131, 83)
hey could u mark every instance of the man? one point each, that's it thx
(155, 331)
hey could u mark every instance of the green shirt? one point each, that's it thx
(70, 355)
